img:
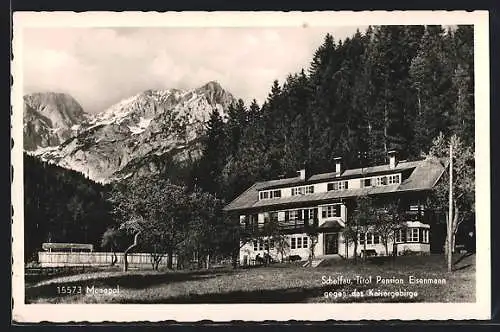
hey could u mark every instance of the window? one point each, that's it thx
(293, 244)
(400, 236)
(254, 219)
(361, 238)
(381, 180)
(243, 220)
(299, 242)
(394, 179)
(271, 244)
(416, 206)
(255, 247)
(412, 235)
(266, 245)
(369, 238)
(292, 215)
(330, 211)
(268, 194)
(305, 242)
(339, 185)
(366, 183)
(425, 236)
(309, 214)
(273, 216)
(304, 190)
(261, 245)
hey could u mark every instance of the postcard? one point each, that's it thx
(189, 166)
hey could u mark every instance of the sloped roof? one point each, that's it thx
(60, 245)
(330, 224)
(425, 174)
(347, 174)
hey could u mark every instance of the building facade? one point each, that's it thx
(316, 208)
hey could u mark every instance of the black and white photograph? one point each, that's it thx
(225, 165)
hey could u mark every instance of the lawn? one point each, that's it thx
(279, 283)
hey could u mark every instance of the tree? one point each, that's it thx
(214, 155)
(312, 231)
(112, 239)
(388, 219)
(362, 217)
(153, 211)
(205, 227)
(350, 234)
(282, 245)
(463, 198)
(237, 233)
(61, 205)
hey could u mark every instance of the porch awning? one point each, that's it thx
(330, 224)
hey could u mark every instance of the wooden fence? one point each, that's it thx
(60, 259)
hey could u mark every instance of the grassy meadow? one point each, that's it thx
(278, 283)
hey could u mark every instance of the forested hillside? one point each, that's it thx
(61, 206)
(392, 87)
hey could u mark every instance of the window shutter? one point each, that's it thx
(421, 235)
(287, 215)
(323, 212)
(337, 210)
(346, 185)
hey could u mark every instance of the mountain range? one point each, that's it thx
(138, 135)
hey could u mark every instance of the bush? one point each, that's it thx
(409, 252)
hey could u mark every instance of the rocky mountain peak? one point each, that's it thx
(142, 134)
(50, 118)
(215, 93)
(60, 108)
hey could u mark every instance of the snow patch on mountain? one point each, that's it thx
(139, 134)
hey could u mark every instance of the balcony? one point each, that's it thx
(285, 227)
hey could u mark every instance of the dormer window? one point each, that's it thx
(393, 179)
(339, 185)
(303, 190)
(270, 194)
(366, 182)
(381, 180)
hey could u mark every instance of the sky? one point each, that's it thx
(101, 66)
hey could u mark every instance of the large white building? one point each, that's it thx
(323, 201)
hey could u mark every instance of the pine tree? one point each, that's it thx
(210, 166)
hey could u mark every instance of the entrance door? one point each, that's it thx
(331, 243)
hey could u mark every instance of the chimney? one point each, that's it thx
(393, 160)
(302, 174)
(338, 165)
